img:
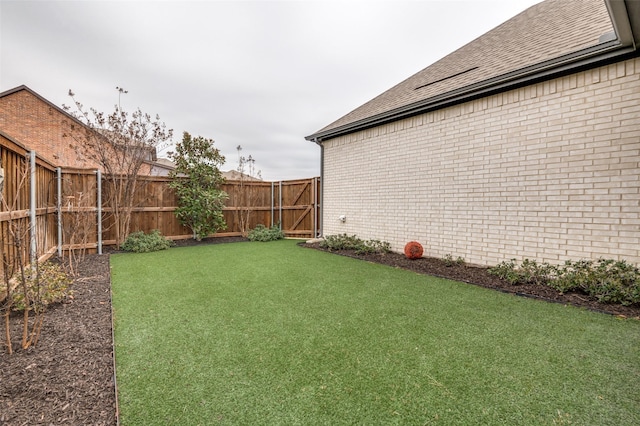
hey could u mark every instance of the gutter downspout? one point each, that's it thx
(321, 195)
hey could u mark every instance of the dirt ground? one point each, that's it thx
(68, 378)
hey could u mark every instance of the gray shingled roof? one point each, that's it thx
(547, 31)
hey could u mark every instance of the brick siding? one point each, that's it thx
(40, 127)
(547, 172)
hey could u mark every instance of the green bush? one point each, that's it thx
(606, 280)
(352, 242)
(450, 261)
(574, 275)
(506, 270)
(264, 234)
(374, 246)
(45, 285)
(139, 242)
(341, 242)
(529, 272)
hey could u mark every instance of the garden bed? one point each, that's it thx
(68, 377)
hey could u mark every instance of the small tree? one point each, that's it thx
(26, 288)
(197, 181)
(14, 251)
(245, 197)
(121, 144)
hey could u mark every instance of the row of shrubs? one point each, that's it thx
(139, 242)
(607, 280)
(352, 242)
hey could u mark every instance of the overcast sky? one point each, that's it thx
(260, 74)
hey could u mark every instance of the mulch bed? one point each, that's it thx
(68, 378)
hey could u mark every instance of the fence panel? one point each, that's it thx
(78, 202)
(249, 203)
(46, 211)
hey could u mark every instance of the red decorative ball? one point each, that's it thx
(413, 250)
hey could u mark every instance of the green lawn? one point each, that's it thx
(276, 334)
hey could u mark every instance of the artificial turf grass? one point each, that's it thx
(271, 333)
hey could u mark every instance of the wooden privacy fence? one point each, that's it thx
(46, 209)
(292, 205)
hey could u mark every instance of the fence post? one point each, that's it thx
(59, 208)
(280, 204)
(272, 203)
(32, 208)
(99, 208)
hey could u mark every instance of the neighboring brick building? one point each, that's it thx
(39, 125)
(525, 143)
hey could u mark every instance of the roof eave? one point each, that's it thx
(626, 44)
(46, 101)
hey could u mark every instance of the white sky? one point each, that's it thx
(261, 74)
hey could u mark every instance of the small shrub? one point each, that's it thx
(139, 242)
(532, 272)
(450, 261)
(413, 250)
(352, 242)
(506, 270)
(606, 280)
(572, 275)
(529, 272)
(374, 247)
(46, 284)
(341, 242)
(264, 234)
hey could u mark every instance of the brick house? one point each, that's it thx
(524, 143)
(39, 125)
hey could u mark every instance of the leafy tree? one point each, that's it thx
(122, 145)
(197, 181)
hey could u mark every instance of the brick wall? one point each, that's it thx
(547, 172)
(40, 127)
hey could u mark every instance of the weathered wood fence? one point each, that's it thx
(46, 209)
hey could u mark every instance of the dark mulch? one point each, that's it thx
(68, 378)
